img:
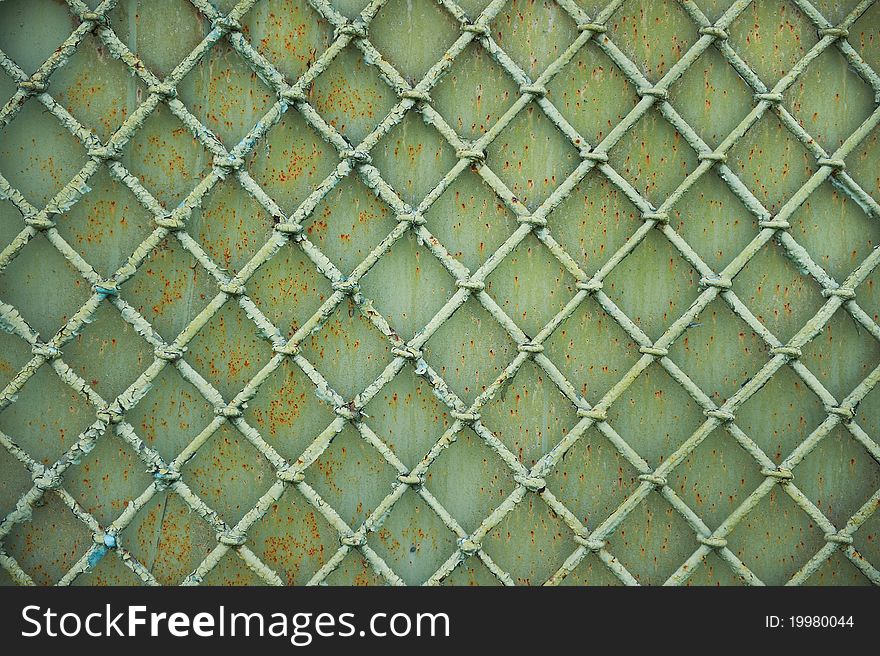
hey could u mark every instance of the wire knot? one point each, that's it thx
(839, 538)
(290, 474)
(592, 544)
(846, 293)
(165, 476)
(712, 156)
(106, 288)
(653, 479)
(356, 157)
(353, 540)
(530, 347)
(473, 285)
(232, 288)
(657, 352)
(476, 28)
(593, 155)
(475, 156)
(466, 417)
(836, 165)
(659, 217)
(46, 479)
(791, 352)
(534, 90)
(413, 218)
(654, 92)
(293, 94)
(46, 351)
(719, 282)
(769, 96)
(415, 94)
(231, 538)
(227, 163)
(836, 32)
(94, 17)
(348, 411)
(590, 286)
(532, 220)
(845, 411)
(595, 28)
(33, 85)
(714, 31)
(775, 224)
(110, 415)
(103, 153)
(169, 222)
(354, 30)
(712, 541)
(347, 286)
(227, 24)
(781, 474)
(107, 540)
(169, 352)
(39, 222)
(725, 416)
(164, 90)
(228, 411)
(532, 483)
(406, 351)
(413, 480)
(289, 227)
(469, 546)
(596, 414)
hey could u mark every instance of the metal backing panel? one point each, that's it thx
(312, 291)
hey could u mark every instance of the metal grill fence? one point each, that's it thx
(343, 498)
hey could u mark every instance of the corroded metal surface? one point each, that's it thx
(518, 292)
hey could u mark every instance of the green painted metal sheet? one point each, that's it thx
(404, 292)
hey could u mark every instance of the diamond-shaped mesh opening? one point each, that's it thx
(653, 34)
(843, 355)
(108, 354)
(407, 416)
(166, 157)
(413, 158)
(413, 540)
(867, 539)
(354, 570)
(232, 571)
(716, 478)
(653, 541)
(776, 538)
(349, 351)
(469, 479)
(291, 161)
(106, 479)
(335, 475)
(530, 285)
(592, 93)
(96, 88)
(591, 350)
(829, 100)
(413, 35)
(106, 225)
(531, 528)
(781, 415)
(774, 290)
(470, 350)
(293, 538)
(351, 96)
(348, 223)
(38, 156)
(711, 97)
(466, 207)
(532, 157)
(838, 570)
(718, 330)
(30, 48)
(533, 33)
(657, 170)
(15, 480)
(168, 538)
(864, 163)
(655, 415)
(475, 93)
(48, 545)
(530, 416)
(231, 226)
(171, 415)
(228, 474)
(225, 94)
(712, 570)
(593, 478)
(667, 284)
(289, 33)
(591, 571)
(144, 30)
(170, 288)
(817, 476)
(472, 572)
(14, 354)
(46, 432)
(229, 350)
(44, 286)
(287, 412)
(863, 36)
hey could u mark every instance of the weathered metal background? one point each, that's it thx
(329, 291)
